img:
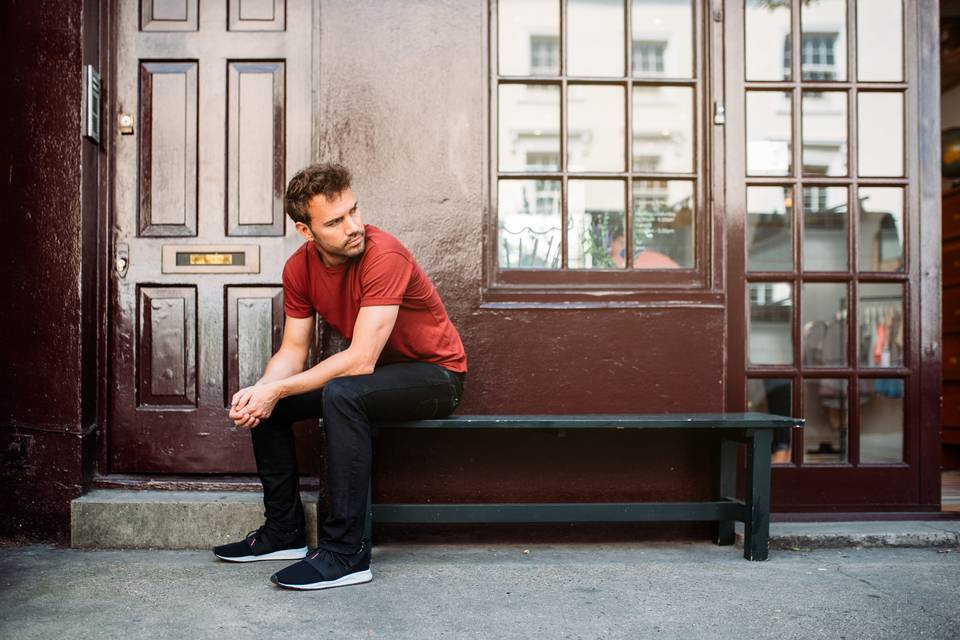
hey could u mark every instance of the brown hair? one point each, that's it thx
(327, 178)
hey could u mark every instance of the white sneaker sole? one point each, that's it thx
(283, 554)
(353, 578)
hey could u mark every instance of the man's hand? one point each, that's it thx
(250, 405)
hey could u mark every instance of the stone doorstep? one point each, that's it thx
(802, 536)
(122, 519)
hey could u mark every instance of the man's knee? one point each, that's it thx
(340, 392)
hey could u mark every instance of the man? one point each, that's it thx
(405, 361)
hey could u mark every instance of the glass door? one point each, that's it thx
(821, 176)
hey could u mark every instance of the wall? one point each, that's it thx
(49, 190)
(402, 102)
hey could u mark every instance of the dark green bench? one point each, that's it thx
(753, 429)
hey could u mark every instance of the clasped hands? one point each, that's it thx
(250, 405)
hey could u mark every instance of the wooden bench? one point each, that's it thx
(753, 429)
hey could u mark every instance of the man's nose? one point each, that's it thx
(352, 226)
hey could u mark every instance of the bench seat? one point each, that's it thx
(752, 429)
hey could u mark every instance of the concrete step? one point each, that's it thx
(802, 536)
(121, 519)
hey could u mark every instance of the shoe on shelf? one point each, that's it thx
(264, 545)
(322, 569)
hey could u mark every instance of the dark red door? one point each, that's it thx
(213, 104)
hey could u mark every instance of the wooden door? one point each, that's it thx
(213, 103)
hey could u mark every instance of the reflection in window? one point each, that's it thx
(769, 133)
(881, 420)
(595, 125)
(823, 39)
(881, 228)
(648, 58)
(528, 224)
(596, 224)
(825, 408)
(662, 224)
(880, 323)
(770, 323)
(526, 32)
(767, 24)
(663, 128)
(662, 38)
(544, 55)
(825, 223)
(824, 324)
(824, 133)
(769, 229)
(529, 126)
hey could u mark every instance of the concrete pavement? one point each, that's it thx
(604, 590)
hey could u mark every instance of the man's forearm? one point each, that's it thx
(282, 365)
(345, 363)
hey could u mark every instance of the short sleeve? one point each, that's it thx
(296, 302)
(384, 279)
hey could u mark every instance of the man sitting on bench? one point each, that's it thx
(405, 362)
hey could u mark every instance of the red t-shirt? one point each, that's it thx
(384, 274)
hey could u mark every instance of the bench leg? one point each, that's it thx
(368, 523)
(756, 529)
(726, 532)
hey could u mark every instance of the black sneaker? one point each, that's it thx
(323, 569)
(260, 545)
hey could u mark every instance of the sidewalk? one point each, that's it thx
(604, 590)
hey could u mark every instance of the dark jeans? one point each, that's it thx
(403, 391)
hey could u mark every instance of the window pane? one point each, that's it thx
(772, 395)
(825, 223)
(596, 224)
(662, 35)
(824, 321)
(663, 129)
(529, 127)
(824, 129)
(824, 40)
(595, 37)
(769, 334)
(881, 228)
(879, 40)
(767, 35)
(528, 224)
(880, 133)
(529, 37)
(880, 320)
(768, 133)
(595, 128)
(769, 229)
(881, 420)
(663, 224)
(825, 429)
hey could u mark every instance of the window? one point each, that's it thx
(608, 193)
(648, 57)
(544, 55)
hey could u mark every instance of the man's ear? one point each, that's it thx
(304, 231)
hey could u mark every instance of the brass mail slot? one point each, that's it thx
(211, 259)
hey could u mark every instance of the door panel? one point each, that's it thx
(221, 104)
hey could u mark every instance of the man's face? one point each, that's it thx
(335, 228)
